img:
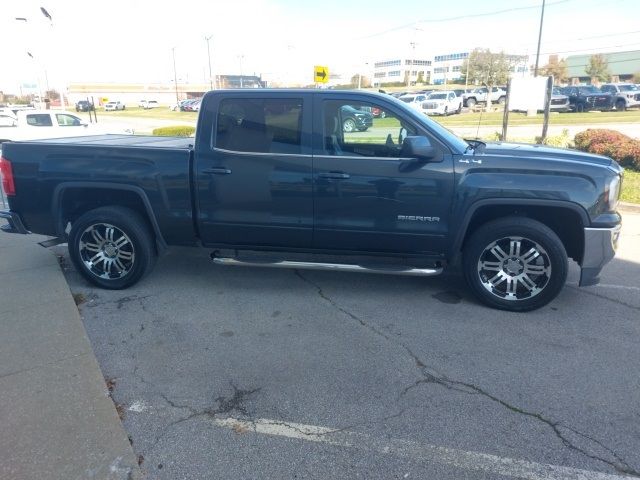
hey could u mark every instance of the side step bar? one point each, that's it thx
(340, 267)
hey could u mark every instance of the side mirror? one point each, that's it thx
(418, 147)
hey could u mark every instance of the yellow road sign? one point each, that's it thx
(320, 74)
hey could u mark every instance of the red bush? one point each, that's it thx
(623, 149)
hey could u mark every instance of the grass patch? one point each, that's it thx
(495, 118)
(631, 187)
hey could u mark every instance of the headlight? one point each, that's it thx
(613, 192)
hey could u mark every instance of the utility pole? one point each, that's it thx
(175, 73)
(209, 57)
(535, 72)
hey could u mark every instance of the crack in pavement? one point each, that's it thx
(225, 405)
(603, 297)
(619, 464)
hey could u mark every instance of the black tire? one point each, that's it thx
(363, 129)
(446, 111)
(543, 264)
(502, 100)
(471, 102)
(123, 107)
(348, 125)
(579, 107)
(130, 245)
(621, 105)
(459, 108)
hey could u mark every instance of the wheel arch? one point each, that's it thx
(72, 199)
(566, 219)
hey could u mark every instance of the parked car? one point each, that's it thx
(412, 201)
(147, 104)
(479, 95)
(413, 100)
(583, 98)
(112, 106)
(36, 124)
(355, 119)
(626, 95)
(461, 91)
(378, 113)
(444, 102)
(84, 106)
(191, 105)
(559, 101)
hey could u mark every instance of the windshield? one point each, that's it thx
(437, 96)
(589, 89)
(556, 91)
(407, 99)
(628, 88)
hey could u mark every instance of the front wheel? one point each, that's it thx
(516, 264)
(621, 105)
(349, 125)
(471, 102)
(112, 247)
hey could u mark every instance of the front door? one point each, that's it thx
(370, 197)
(253, 171)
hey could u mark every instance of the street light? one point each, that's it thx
(209, 57)
(535, 72)
(175, 74)
(240, 57)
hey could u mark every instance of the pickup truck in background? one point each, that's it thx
(35, 124)
(626, 95)
(479, 95)
(272, 179)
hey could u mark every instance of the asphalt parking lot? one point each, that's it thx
(223, 372)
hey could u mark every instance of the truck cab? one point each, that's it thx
(33, 124)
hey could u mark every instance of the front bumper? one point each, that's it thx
(15, 224)
(600, 245)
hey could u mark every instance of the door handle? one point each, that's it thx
(217, 171)
(334, 175)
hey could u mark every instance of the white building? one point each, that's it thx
(449, 67)
(398, 70)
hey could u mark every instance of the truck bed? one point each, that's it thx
(123, 141)
(81, 170)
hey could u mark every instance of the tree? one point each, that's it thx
(420, 79)
(636, 77)
(557, 69)
(598, 68)
(361, 79)
(488, 69)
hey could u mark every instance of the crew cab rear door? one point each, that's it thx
(369, 197)
(253, 177)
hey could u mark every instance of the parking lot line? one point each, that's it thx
(416, 451)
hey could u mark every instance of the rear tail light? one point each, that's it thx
(6, 172)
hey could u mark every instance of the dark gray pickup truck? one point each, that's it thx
(278, 178)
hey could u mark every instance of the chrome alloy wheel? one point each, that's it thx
(514, 268)
(106, 251)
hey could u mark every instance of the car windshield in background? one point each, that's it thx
(589, 89)
(407, 99)
(437, 96)
(629, 88)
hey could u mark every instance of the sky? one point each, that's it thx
(134, 40)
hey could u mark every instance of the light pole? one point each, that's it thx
(47, 15)
(209, 57)
(175, 73)
(240, 57)
(535, 72)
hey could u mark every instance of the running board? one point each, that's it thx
(337, 267)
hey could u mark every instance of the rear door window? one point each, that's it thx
(259, 125)
(39, 120)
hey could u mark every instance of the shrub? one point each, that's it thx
(623, 149)
(563, 140)
(176, 131)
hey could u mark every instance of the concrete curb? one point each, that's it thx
(58, 420)
(629, 207)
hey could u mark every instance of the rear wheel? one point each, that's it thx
(515, 264)
(579, 107)
(471, 102)
(112, 247)
(621, 105)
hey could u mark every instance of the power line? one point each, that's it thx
(461, 17)
(591, 49)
